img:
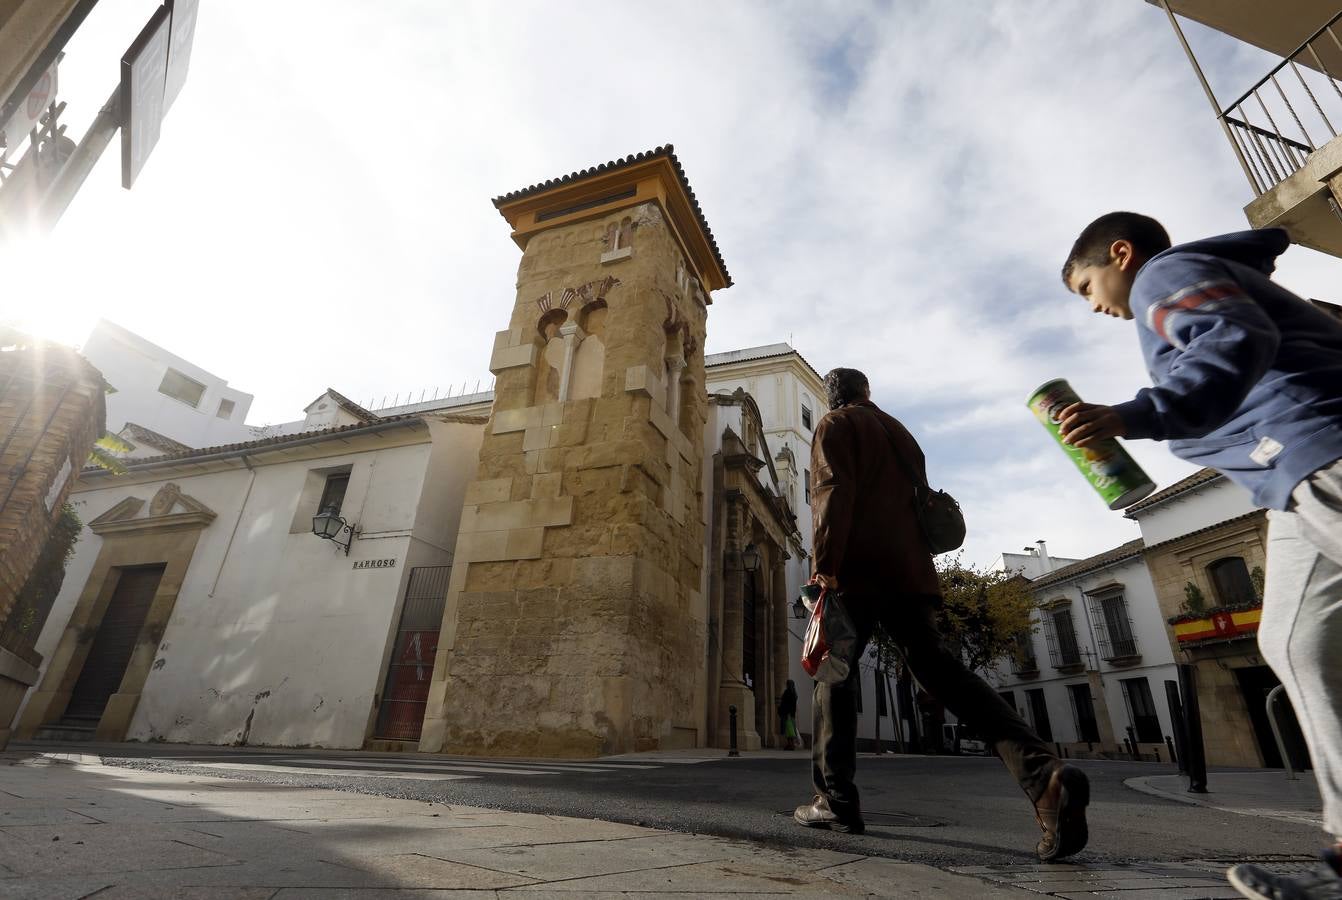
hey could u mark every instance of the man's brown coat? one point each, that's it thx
(866, 532)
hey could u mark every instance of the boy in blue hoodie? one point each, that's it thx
(1248, 381)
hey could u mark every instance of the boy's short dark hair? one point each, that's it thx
(843, 386)
(1148, 237)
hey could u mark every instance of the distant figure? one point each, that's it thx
(1248, 381)
(787, 715)
(868, 541)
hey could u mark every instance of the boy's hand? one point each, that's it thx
(1084, 424)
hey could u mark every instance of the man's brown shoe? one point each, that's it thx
(1061, 813)
(818, 814)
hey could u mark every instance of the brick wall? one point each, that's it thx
(51, 412)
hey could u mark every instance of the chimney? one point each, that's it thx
(1044, 562)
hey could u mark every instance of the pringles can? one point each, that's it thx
(1113, 474)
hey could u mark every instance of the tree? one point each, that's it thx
(981, 617)
(982, 612)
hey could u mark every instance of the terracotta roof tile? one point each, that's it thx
(280, 440)
(1200, 477)
(667, 151)
(1099, 561)
(351, 407)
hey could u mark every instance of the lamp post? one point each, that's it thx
(329, 526)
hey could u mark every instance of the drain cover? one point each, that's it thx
(893, 819)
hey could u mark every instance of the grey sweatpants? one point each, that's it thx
(1301, 629)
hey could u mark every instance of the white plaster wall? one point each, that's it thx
(275, 637)
(1202, 507)
(1148, 627)
(135, 367)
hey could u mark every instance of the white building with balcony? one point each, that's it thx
(1093, 672)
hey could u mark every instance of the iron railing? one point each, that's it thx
(1282, 119)
(1113, 627)
(1060, 634)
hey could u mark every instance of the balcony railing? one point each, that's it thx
(1292, 111)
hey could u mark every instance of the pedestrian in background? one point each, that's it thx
(869, 545)
(787, 715)
(1248, 381)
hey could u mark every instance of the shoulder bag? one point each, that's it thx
(939, 515)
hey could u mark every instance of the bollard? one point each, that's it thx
(732, 751)
(1179, 752)
(1195, 763)
(1169, 745)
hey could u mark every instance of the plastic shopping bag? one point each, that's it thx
(831, 641)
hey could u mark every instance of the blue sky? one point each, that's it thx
(893, 186)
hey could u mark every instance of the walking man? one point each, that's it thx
(869, 545)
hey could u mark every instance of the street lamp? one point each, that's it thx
(799, 609)
(750, 558)
(328, 526)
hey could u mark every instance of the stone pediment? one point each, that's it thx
(168, 508)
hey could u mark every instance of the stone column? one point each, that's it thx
(782, 617)
(674, 366)
(733, 690)
(573, 336)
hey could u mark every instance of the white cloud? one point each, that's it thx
(893, 186)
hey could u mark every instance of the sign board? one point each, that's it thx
(375, 564)
(29, 113)
(143, 71)
(182, 33)
(152, 74)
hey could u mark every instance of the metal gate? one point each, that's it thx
(401, 713)
(120, 628)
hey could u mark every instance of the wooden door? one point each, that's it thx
(115, 641)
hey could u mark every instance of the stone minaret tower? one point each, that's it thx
(575, 622)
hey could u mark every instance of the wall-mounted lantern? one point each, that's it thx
(329, 526)
(750, 558)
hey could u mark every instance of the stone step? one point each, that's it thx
(66, 731)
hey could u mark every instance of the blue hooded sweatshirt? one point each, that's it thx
(1248, 376)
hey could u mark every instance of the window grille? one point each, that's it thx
(1063, 649)
(1113, 626)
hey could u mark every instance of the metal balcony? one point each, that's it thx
(1284, 129)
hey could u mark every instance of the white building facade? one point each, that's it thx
(234, 622)
(159, 391)
(1092, 673)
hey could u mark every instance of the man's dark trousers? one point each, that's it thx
(911, 622)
